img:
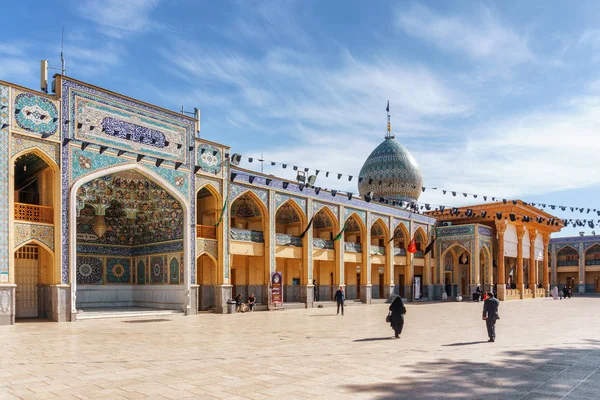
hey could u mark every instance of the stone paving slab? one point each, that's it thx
(545, 349)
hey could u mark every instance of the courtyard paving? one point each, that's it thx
(545, 350)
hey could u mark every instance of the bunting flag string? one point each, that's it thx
(453, 193)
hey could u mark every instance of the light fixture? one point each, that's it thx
(236, 158)
(358, 269)
(99, 226)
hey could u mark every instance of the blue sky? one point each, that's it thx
(498, 98)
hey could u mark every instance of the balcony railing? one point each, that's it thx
(592, 262)
(283, 239)
(206, 232)
(34, 213)
(351, 247)
(398, 251)
(323, 244)
(246, 235)
(571, 263)
(419, 254)
(377, 250)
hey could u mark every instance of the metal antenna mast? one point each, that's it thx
(62, 46)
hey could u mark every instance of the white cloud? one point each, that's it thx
(484, 37)
(11, 49)
(119, 18)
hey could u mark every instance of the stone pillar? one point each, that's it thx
(61, 303)
(307, 292)
(581, 274)
(520, 284)
(193, 300)
(388, 277)
(366, 288)
(7, 304)
(222, 294)
(545, 278)
(501, 285)
(338, 273)
(533, 276)
(409, 272)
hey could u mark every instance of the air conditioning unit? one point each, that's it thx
(446, 223)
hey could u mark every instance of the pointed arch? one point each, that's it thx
(206, 253)
(590, 247)
(361, 224)
(382, 223)
(331, 215)
(296, 208)
(159, 180)
(405, 233)
(261, 206)
(213, 191)
(487, 268)
(38, 152)
(34, 241)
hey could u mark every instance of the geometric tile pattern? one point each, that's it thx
(118, 270)
(141, 272)
(174, 270)
(89, 270)
(157, 269)
(209, 158)
(281, 198)
(4, 112)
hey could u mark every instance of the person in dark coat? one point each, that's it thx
(565, 292)
(339, 298)
(569, 291)
(490, 315)
(397, 317)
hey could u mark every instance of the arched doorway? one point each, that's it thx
(206, 271)
(325, 228)
(289, 224)
(400, 259)
(592, 260)
(208, 238)
(36, 269)
(464, 263)
(449, 263)
(379, 238)
(354, 245)
(567, 263)
(248, 228)
(129, 235)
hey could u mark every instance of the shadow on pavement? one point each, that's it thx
(566, 372)
(373, 339)
(464, 343)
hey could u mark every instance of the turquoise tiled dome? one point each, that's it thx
(397, 170)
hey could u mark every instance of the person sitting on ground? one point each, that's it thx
(240, 306)
(251, 301)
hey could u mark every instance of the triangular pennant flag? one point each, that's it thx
(412, 246)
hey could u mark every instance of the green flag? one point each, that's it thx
(339, 235)
(222, 212)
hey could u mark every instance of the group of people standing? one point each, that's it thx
(566, 292)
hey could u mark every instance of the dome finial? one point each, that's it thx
(389, 122)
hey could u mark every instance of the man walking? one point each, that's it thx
(339, 298)
(490, 315)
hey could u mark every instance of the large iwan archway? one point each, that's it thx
(129, 242)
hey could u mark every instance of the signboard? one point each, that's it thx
(417, 290)
(276, 288)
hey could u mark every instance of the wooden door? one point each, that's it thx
(233, 283)
(401, 285)
(358, 285)
(26, 279)
(381, 286)
(596, 285)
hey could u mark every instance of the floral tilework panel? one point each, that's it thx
(20, 143)
(157, 269)
(118, 270)
(4, 110)
(141, 272)
(89, 270)
(25, 232)
(174, 270)
(209, 158)
(35, 114)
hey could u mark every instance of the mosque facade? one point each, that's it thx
(110, 203)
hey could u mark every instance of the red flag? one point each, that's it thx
(412, 246)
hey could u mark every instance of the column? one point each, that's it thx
(581, 274)
(269, 235)
(545, 277)
(520, 234)
(366, 288)
(338, 275)
(501, 285)
(409, 270)
(388, 278)
(307, 292)
(533, 276)
(223, 288)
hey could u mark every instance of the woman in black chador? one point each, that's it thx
(397, 316)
